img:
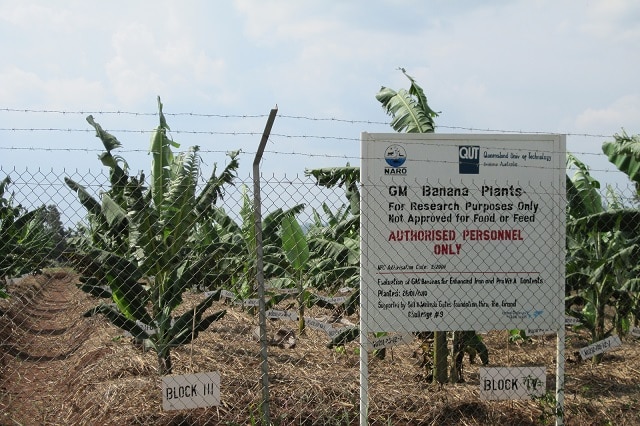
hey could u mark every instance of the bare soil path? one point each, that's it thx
(44, 317)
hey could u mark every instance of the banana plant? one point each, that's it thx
(296, 250)
(313, 261)
(624, 153)
(25, 241)
(334, 254)
(603, 251)
(235, 264)
(142, 248)
(411, 113)
(408, 109)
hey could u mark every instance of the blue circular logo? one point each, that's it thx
(395, 156)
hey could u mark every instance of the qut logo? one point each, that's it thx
(468, 160)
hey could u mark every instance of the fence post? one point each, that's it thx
(262, 316)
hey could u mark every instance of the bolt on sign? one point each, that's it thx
(462, 232)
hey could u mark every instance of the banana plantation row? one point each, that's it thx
(148, 240)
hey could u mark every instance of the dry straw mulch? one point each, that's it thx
(60, 368)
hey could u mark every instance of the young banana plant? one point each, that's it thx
(141, 250)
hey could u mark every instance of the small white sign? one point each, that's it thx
(388, 341)
(569, 321)
(227, 294)
(16, 280)
(505, 383)
(274, 313)
(539, 332)
(224, 294)
(600, 347)
(335, 331)
(283, 290)
(317, 325)
(333, 300)
(150, 329)
(247, 302)
(635, 331)
(191, 391)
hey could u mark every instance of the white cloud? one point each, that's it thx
(36, 16)
(147, 63)
(25, 88)
(623, 112)
(613, 19)
(131, 70)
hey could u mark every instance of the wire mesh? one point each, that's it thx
(118, 312)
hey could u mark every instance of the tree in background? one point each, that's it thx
(59, 234)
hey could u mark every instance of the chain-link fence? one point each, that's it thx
(131, 300)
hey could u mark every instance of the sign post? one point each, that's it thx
(461, 232)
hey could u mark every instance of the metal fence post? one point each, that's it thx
(259, 266)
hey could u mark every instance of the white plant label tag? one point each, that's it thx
(317, 325)
(388, 341)
(571, 321)
(335, 331)
(333, 300)
(274, 313)
(539, 332)
(600, 347)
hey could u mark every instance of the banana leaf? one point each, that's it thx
(119, 320)
(92, 286)
(344, 337)
(294, 243)
(409, 110)
(123, 278)
(91, 204)
(624, 153)
(182, 330)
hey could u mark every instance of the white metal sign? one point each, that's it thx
(462, 232)
(190, 391)
(504, 383)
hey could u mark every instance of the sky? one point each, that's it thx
(492, 66)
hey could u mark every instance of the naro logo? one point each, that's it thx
(395, 155)
(469, 159)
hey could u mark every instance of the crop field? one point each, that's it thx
(59, 368)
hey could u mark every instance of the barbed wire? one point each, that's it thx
(246, 116)
(123, 150)
(189, 114)
(177, 132)
(134, 113)
(235, 133)
(353, 158)
(350, 158)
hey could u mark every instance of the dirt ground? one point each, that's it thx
(59, 368)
